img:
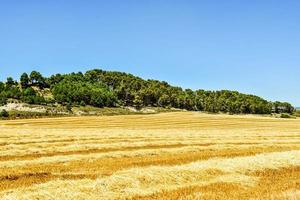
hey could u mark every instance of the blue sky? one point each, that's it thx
(249, 46)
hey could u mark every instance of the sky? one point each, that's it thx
(249, 46)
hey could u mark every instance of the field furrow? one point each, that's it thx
(185, 155)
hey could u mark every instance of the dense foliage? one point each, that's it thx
(22, 91)
(83, 93)
(4, 113)
(106, 88)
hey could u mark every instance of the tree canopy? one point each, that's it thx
(107, 88)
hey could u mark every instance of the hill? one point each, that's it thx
(101, 88)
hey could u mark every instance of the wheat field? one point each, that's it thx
(180, 155)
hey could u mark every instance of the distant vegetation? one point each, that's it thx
(115, 89)
(287, 115)
(4, 113)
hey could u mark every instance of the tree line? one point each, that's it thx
(113, 89)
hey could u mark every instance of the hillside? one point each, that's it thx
(99, 88)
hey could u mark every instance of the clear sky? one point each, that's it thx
(249, 46)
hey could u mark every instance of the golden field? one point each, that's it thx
(180, 155)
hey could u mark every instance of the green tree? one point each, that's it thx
(76, 92)
(24, 80)
(10, 82)
(12, 92)
(106, 88)
(37, 79)
(2, 86)
(54, 79)
(3, 99)
(29, 95)
(164, 101)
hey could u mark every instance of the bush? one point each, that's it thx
(83, 93)
(285, 115)
(4, 113)
(15, 114)
(29, 95)
(69, 107)
(297, 113)
(3, 100)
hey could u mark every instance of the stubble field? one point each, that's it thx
(181, 155)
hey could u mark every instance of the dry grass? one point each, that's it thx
(184, 155)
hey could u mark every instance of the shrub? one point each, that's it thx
(3, 100)
(4, 113)
(297, 113)
(285, 115)
(83, 93)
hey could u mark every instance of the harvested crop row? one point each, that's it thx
(91, 156)
(149, 180)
